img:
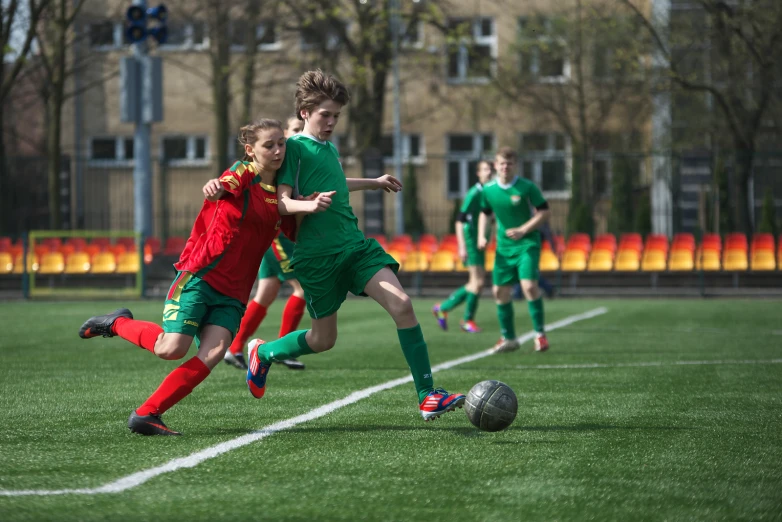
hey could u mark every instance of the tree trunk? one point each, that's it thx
(744, 210)
(250, 52)
(221, 94)
(54, 156)
(5, 181)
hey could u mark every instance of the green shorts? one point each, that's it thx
(475, 257)
(277, 260)
(191, 304)
(326, 280)
(510, 269)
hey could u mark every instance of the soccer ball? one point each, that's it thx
(491, 405)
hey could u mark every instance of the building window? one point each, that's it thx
(412, 148)
(101, 34)
(543, 161)
(112, 149)
(184, 149)
(411, 36)
(322, 35)
(471, 50)
(542, 49)
(464, 153)
(186, 36)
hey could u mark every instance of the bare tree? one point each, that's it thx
(744, 43)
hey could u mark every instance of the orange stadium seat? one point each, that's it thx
(78, 243)
(681, 261)
(601, 261)
(428, 247)
(102, 242)
(128, 242)
(6, 263)
(128, 263)
(452, 248)
(77, 263)
(5, 243)
(735, 260)
(549, 261)
(154, 245)
(762, 242)
(627, 261)
(763, 260)
(104, 263)
(443, 262)
(52, 263)
(708, 260)
(67, 249)
(574, 261)
(654, 261)
(398, 255)
(92, 250)
(459, 265)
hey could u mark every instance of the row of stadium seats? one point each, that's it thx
(119, 246)
(53, 263)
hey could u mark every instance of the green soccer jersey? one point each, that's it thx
(312, 165)
(512, 207)
(471, 208)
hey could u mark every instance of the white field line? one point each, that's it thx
(194, 459)
(646, 364)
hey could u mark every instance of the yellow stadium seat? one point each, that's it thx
(600, 261)
(709, 261)
(735, 260)
(6, 263)
(653, 261)
(416, 262)
(761, 260)
(443, 262)
(77, 263)
(681, 261)
(548, 261)
(460, 265)
(32, 264)
(627, 261)
(574, 261)
(52, 263)
(103, 263)
(490, 256)
(128, 263)
(398, 255)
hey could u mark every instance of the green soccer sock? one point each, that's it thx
(417, 356)
(472, 306)
(505, 315)
(291, 346)
(454, 300)
(536, 313)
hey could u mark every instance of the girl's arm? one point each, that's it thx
(386, 182)
(288, 205)
(213, 190)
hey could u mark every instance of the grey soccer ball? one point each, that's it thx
(491, 405)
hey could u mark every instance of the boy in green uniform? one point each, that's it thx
(332, 257)
(511, 198)
(471, 256)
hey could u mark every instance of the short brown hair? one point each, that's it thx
(315, 87)
(248, 134)
(507, 153)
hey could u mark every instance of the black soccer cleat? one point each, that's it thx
(293, 364)
(149, 425)
(100, 325)
(235, 359)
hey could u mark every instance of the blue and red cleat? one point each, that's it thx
(440, 401)
(470, 326)
(257, 369)
(442, 317)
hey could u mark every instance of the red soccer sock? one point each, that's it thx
(250, 322)
(175, 387)
(291, 315)
(140, 333)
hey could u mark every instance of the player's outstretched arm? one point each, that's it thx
(386, 182)
(213, 190)
(287, 205)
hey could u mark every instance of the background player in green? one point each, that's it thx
(473, 258)
(275, 269)
(511, 199)
(332, 257)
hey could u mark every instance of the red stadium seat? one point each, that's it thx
(78, 243)
(174, 246)
(5, 244)
(154, 245)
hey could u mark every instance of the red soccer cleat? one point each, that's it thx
(440, 401)
(541, 343)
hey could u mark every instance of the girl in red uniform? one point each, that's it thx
(216, 272)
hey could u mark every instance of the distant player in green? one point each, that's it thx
(511, 199)
(332, 257)
(473, 258)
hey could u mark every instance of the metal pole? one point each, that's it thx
(142, 170)
(395, 28)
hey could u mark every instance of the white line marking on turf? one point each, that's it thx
(645, 364)
(194, 459)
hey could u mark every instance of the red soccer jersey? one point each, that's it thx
(229, 237)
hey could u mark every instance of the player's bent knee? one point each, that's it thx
(171, 349)
(402, 309)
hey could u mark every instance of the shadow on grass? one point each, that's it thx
(594, 427)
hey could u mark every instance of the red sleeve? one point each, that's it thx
(237, 179)
(288, 227)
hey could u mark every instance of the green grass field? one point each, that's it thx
(612, 424)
